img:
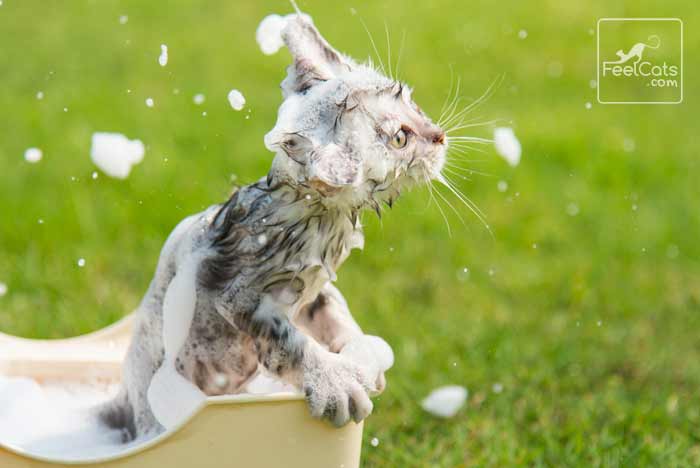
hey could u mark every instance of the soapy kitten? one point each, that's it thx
(347, 138)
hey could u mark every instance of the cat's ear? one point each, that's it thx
(333, 167)
(314, 59)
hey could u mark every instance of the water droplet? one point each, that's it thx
(221, 381)
(502, 186)
(123, 19)
(65, 109)
(522, 34)
(199, 99)
(40, 95)
(589, 105)
(628, 145)
(33, 155)
(534, 246)
(599, 322)
(634, 207)
(40, 221)
(81, 262)
(555, 69)
(672, 251)
(497, 387)
(374, 442)
(95, 175)
(572, 209)
(262, 239)
(149, 102)
(463, 274)
(3, 289)
(593, 84)
(307, 196)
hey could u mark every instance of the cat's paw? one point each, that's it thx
(374, 356)
(337, 389)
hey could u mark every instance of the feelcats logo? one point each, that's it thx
(632, 63)
(639, 60)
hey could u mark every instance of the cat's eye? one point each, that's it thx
(399, 139)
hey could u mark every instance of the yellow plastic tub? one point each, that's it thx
(237, 430)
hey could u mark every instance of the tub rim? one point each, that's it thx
(241, 399)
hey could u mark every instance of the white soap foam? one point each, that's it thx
(163, 58)
(33, 155)
(199, 99)
(269, 34)
(264, 384)
(172, 397)
(115, 154)
(445, 401)
(371, 352)
(57, 420)
(507, 145)
(236, 99)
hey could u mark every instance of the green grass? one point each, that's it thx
(593, 333)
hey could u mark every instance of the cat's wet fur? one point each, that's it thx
(347, 138)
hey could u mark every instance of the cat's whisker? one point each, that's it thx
(444, 180)
(470, 139)
(468, 170)
(465, 150)
(459, 216)
(429, 184)
(462, 126)
(449, 94)
(398, 60)
(456, 173)
(374, 45)
(477, 102)
(449, 111)
(467, 201)
(480, 100)
(388, 48)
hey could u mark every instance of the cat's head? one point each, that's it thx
(345, 131)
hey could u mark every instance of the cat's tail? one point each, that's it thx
(656, 38)
(119, 414)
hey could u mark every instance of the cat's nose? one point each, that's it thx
(439, 138)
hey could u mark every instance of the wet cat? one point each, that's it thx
(347, 138)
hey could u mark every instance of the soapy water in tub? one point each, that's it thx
(56, 420)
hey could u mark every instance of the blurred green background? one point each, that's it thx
(584, 305)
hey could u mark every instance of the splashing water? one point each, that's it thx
(236, 99)
(114, 154)
(444, 402)
(163, 58)
(507, 145)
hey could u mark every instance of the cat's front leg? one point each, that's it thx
(328, 320)
(336, 388)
